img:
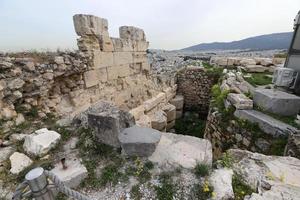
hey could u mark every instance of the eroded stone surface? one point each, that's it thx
(181, 150)
(221, 181)
(19, 162)
(240, 101)
(138, 141)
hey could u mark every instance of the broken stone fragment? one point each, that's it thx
(131, 33)
(41, 142)
(138, 141)
(19, 162)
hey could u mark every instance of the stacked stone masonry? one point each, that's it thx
(195, 84)
(67, 83)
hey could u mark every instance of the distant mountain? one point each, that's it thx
(262, 42)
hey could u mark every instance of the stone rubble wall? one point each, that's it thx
(65, 84)
(249, 64)
(195, 84)
(226, 131)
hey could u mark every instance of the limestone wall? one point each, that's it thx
(64, 84)
(195, 84)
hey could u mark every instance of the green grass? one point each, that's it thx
(167, 189)
(201, 170)
(259, 79)
(190, 125)
(240, 189)
(226, 160)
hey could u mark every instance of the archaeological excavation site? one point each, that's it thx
(115, 120)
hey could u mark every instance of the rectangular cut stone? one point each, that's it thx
(93, 77)
(90, 25)
(240, 101)
(140, 57)
(102, 59)
(170, 111)
(154, 101)
(88, 43)
(145, 66)
(170, 93)
(117, 43)
(178, 102)
(106, 43)
(277, 102)
(137, 112)
(132, 33)
(266, 123)
(122, 58)
(118, 71)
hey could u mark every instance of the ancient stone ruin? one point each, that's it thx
(113, 120)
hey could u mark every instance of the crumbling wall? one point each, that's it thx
(195, 84)
(65, 84)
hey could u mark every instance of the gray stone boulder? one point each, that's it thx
(139, 141)
(240, 101)
(108, 122)
(277, 102)
(221, 181)
(266, 123)
(175, 150)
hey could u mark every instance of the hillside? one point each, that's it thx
(262, 42)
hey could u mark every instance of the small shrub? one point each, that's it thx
(259, 79)
(240, 189)
(201, 192)
(135, 192)
(226, 160)
(167, 188)
(201, 170)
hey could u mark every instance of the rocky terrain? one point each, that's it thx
(113, 121)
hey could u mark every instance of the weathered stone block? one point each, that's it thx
(138, 141)
(122, 58)
(90, 25)
(277, 102)
(102, 59)
(118, 71)
(159, 121)
(139, 57)
(240, 101)
(73, 175)
(106, 43)
(170, 125)
(255, 68)
(88, 43)
(154, 101)
(140, 45)
(247, 61)
(137, 112)
(92, 78)
(175, 150)
(131, 33)
(170, 111)
(178, 102)
(266, 123)
(221, 180)
(108, 121)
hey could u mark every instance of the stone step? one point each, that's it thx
(266, 123)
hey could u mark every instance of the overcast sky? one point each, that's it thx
(168, 24)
